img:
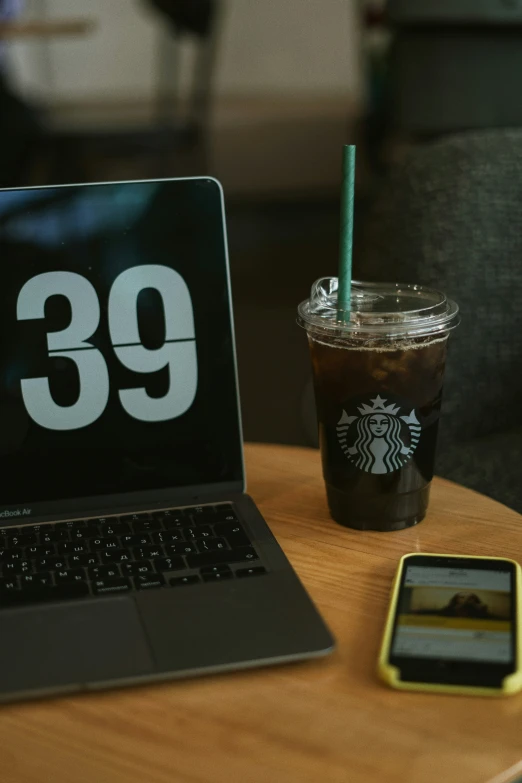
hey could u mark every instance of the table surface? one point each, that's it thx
(45, 28)
(327, 721)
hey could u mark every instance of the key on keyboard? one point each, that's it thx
(62, 561)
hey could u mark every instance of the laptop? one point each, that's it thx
(129, 550)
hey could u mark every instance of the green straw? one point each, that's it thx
(346, 238)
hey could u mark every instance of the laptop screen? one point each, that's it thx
(117, 367)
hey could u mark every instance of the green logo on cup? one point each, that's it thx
(379, 440)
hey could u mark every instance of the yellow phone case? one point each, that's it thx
(391, 674)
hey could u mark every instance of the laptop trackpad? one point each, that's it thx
(72, 644)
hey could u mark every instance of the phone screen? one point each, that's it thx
(455, 621)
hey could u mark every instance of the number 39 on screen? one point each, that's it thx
(178, 352)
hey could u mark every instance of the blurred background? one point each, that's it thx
(260, 95)
(263, 95)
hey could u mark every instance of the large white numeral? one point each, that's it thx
(178, 352)
(70, 343)
(123, 298)
(82, 297)
(181, 360)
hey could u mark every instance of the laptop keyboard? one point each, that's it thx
(119, 554)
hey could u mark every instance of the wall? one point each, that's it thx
(290, 47)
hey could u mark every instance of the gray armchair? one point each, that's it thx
(451, 217)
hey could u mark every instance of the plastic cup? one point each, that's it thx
(378, 379)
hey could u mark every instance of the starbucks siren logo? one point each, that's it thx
(382, 441)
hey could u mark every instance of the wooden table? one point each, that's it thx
(327, 721)
(45, 28)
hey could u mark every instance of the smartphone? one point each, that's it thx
(453, 625)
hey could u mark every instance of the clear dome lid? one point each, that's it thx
(378, 310)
